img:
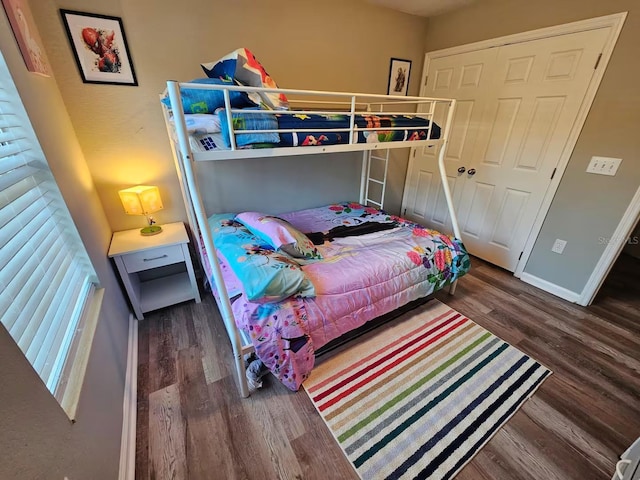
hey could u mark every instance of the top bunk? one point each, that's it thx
(211, 119)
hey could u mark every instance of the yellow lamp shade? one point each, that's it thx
(142, 200)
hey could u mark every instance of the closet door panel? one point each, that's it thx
(461, 77)
(474, 218)
(501, 131)
(440, 213)
(423, 191)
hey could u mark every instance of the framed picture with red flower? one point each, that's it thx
(100, 48)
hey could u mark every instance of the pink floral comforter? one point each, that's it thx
(360, 278)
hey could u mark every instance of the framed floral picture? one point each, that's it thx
(100, 48)
(24, 29)
(399, 71)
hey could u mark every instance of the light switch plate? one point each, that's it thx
(558, 246)
(604, 165)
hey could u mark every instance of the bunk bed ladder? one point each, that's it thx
(368, 180)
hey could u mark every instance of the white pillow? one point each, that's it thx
(202, 123)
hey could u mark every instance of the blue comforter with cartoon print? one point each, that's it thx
(388, 128)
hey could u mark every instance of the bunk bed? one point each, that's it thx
(310, 312)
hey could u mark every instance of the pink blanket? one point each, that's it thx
(360, 278)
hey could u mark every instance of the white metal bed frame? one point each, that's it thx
(355, 103)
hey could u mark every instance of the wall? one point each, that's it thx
(332, 45)
(36, 436)
(586, 207)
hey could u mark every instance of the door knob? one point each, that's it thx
(461, 170)
(472, 172)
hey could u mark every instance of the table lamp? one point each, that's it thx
(142, 200)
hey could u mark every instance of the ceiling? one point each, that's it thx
(423, 8)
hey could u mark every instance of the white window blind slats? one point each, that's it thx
(9, 217)
(19, 259)
(12, 162)
(67, 230)
(46, 276)
(17, 182)
(64, 323)
(12, 134)
(9, 120)
(17, 233)
(9, 149)
(5, 97)
(21, 249)
(57, 311)
(46, 297)
(87, 289)
(21, 291)
(26, 288)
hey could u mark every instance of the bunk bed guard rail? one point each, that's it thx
(343, 103)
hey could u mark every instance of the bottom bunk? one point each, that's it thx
(303, 279)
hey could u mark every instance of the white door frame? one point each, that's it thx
(614, 247)
(615, 21)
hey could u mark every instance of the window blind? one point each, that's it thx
(46, 276)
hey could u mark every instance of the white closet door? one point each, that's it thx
(537, 90)
(516, 107)
(463, 77)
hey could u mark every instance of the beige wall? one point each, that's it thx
(586, 207)
(36, 437)
(331, 45)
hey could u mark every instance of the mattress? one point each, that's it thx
(360, 278)
(310, 130)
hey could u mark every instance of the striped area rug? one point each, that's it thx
(420, 397)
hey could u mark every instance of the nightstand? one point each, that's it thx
(156, 270)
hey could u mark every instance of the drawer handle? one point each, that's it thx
(154, 258)
(619, 465)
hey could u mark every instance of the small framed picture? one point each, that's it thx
(399, 71)
(100, 48)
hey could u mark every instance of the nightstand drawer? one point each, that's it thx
(156, 257)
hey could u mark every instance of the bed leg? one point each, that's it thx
(452, 287)
(242, 377)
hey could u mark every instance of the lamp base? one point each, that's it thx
(150, 230)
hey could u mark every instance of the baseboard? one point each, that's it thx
(550, 287)
(129, 406)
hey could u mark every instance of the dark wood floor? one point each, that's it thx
(192, 423)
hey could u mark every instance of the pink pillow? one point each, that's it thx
(280, 234)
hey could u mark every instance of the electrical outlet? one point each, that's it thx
(604, 165)
(558, 246)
